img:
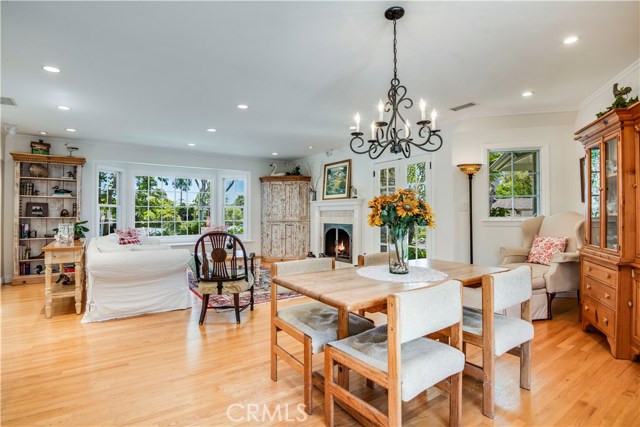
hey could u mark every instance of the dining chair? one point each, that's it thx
(313, 324)
(399, 358)
(376, 258)
(497, 334)
(222, 267)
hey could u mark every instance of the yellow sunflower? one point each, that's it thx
(408, 206)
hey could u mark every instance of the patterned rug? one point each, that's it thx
(261, 293)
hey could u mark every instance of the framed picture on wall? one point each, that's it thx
(337, 180)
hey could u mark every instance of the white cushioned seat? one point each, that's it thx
(537, 273)
(320, 322)
(424, 362)
(509, 331)
(228, 288)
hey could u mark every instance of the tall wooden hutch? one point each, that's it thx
(46, 192)
(610, 258)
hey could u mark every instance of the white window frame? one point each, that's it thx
(121, 195)
(483, 177)
(246, 177)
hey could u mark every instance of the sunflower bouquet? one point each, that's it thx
(400, 212)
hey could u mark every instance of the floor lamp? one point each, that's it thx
(470, 169)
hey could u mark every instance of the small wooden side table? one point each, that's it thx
(55, 253)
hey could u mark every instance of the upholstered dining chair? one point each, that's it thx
(399, 358)
(223, 268)
(313, 324)
(497, 334)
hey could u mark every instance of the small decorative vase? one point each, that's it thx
(398, 248)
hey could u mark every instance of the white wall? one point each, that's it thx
(553, 131)
(603, 97)
(109, 153)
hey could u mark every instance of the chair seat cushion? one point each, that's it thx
(320, 322)
(537, 272)
(228, 288)
(509, 331)
(424, 362)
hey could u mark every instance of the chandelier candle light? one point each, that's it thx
(396, 133)
(400, 212)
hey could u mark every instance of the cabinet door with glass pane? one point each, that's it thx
(594, 196)
(610, 208)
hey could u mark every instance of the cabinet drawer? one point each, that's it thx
(599, 292)
(599, 316)
(603, 274)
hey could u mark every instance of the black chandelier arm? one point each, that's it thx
(428, 144)
(357, 144)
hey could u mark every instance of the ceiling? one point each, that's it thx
(160, 73)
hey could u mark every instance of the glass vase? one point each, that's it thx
(398, 248)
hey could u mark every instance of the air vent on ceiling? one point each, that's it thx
(463, 106)
(9, 101)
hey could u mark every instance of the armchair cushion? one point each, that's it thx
(544, 247)
(537, 274)
(561, 257)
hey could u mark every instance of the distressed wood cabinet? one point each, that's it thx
(285, 217)
(609, 258)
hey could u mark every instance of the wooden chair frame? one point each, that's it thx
(486, 341)
(389, 380)
(304, 367)
(219, 273)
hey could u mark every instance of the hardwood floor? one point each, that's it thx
(163, 369)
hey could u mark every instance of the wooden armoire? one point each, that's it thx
(610, 258)
(285, 217)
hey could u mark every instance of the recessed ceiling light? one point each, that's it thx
(310, 147)
(211, 130)
(571, 40)
(51, 69)
(191, 144)
(274, 154)
(527, 93)
(42, 132)
(243, 106)
(64, 108)
(70, 130)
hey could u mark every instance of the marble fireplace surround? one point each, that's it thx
(343, 211)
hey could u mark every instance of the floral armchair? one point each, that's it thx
(563, 273)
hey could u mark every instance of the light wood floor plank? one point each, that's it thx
(163, 369)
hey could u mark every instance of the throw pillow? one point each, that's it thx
(130, 236)
(544, 247)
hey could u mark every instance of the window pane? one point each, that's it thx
(514, 183)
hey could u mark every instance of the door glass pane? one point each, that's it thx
(611, 194)
(594, 203)
(416, 180)
(387, 185)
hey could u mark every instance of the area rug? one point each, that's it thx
(261, 293)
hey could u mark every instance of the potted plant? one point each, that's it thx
(79, 229)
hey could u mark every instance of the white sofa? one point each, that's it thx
(125, 281)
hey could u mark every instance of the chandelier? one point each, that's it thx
(396, 133)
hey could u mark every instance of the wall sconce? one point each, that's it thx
(470, 169)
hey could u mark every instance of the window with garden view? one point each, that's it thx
(108, 201)
(234, 205)
(514, 183)
(168, 206)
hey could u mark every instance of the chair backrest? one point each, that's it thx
(426, 310)
(511, 287)
(308, 265)
(565, 224)
(373, 259)
(221, 257)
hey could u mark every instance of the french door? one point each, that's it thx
(414, 173)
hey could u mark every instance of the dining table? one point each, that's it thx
(348, 291)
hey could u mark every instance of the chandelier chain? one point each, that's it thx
(395, 51)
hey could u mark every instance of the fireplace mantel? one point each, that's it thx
(323, 211)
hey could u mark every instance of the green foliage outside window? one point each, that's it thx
(513, 183)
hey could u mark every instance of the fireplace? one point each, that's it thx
(337, 241)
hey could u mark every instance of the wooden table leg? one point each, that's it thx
(48, 297)
(79, 273)
(343, 332)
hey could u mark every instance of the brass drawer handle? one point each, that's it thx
(629, 303)
(588, 286)
(588, 268)
(586, 308)
(606, 295)
(608, 276)
(605, 320)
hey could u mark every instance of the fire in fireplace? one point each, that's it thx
(337, 241)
